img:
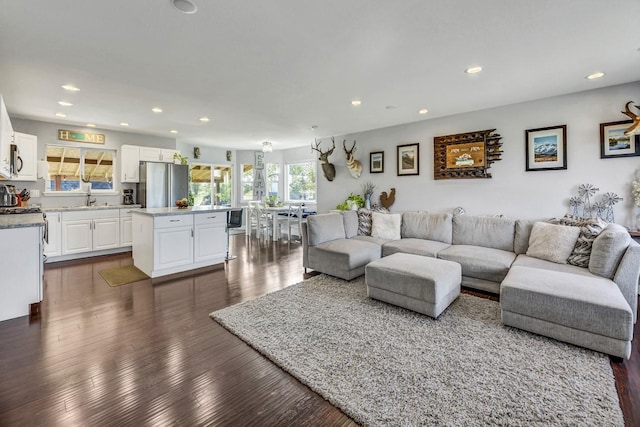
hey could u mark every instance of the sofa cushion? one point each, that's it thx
(372, 239)
(385, 226)
(590, 228)
(608, 249)
(429, 248)
(429, 226)
(324, 228)
(350, 219)
(523, 232)
(480, 262)
(490, 232)
(591, 304)
(347, 254)
(552, 242)
(523, 260)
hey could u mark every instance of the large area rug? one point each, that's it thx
(384, 365)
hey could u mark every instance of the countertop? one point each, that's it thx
(181, 211)
(86, 208)
(21, 221)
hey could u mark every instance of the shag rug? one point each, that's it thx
(383, 365)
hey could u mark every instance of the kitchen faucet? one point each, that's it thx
(90, 200)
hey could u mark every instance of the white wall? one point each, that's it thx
(47, 133)
(511, 191)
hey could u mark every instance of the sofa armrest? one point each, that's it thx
(627, 275)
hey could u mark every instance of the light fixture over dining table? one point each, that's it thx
(267, 147)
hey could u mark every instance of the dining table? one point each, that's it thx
(274, 211)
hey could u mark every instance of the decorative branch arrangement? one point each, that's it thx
(466, 155)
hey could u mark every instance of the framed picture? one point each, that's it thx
(376, 162)
(409, 159)
(546, 148)
(614, 143)
(466, 155)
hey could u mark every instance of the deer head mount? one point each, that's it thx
(328, 169)
(635, 126)
(354, 166)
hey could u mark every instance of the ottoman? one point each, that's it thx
(418, 283)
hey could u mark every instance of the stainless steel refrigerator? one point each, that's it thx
(161, 184)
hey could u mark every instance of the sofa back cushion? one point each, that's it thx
(608, 249)
(490, 232)
(350, 219)
(523, 232)
(324, 228)
(428, 226)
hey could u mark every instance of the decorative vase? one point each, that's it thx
(367, 201)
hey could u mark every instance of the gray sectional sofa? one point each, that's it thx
(593, 307)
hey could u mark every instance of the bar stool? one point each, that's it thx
(234, 220)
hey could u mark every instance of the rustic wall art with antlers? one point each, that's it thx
(465, 155)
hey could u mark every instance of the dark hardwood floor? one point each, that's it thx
(148, 354)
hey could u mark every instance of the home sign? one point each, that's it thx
(75, 136)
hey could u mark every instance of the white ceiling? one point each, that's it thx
(269, 70)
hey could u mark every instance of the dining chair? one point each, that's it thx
(252, 219)
(294, 220)
(263, 223)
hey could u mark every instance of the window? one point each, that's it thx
(247, 181)
(69, 167)
(301, 181)
(207, 188)
(273, 177)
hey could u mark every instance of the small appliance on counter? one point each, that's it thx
(8, 196)
(127, 198)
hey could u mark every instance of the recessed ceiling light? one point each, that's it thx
(124, 124)
(90, 125)
(184, 6)
(70, 88)
(204, 119)
(173, 131)
(65, 103)
(473, 70)
(156, 110)
(595, 76)
(61, 115)
(356, 102)
(423, 111)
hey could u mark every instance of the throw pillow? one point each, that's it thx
(552, 242)
(385, 226)
(364, 219)
(590, 228)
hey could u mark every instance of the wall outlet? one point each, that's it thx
(34, 192)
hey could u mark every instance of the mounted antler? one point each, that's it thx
(328, 169)
(635, 126)
(355, 167)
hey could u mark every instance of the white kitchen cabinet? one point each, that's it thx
(28, 151)
(126, 224)
(167, 155)
(210, 238)
(54, 227)
(86, 231)
(129, 163)
(20, 262)
(6, 139)
(167, 244)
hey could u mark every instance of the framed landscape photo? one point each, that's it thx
(546, 148)
(376, 162)
(409, 159)
(614, 143)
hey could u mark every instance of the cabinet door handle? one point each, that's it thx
(192, 232)
(211, 217)
(174, 220)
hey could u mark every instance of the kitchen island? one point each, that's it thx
(173, 240)
(21, 264)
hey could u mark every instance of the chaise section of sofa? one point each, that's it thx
(329, 246)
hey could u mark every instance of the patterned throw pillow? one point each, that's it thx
(590, 228)
(364, 219)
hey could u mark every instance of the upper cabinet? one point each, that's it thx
(129, 163)
(153, 154)
(6, 139)
(27, 162)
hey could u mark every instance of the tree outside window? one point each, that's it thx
(301, 181)
(273, 178)
(247, 181)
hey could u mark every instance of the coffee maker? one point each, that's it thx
(127, 198)
(8, 197)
